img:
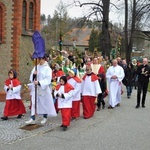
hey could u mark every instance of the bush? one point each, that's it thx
(149, 87)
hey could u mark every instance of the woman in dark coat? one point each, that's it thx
(129, 79)
(100, 98)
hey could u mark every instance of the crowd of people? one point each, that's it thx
(64, 87)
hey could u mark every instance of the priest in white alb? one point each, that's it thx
(114, 75)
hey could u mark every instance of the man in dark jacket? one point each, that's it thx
(143, 72)
(71, 58)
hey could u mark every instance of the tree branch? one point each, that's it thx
(114, 6)
(91, 4)
(142, 8)
(142, 38)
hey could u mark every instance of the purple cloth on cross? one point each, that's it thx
(39, 45)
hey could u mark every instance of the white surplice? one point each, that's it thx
(13, 94)
(90, 88)
(77, 89)
(64, 102)
(45, 104)
(115, 84)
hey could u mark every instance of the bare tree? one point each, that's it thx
(101, 10)
(140, 12)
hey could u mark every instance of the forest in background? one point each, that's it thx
(128, 35)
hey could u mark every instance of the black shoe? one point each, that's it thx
(143, 106)
(19, 116)
(64, 128)
(85, 118)
(110, 107)
(73, 119)
(118, 105)
(137, 106)
(62, 125)
(57, 112)
(4, 118)
(103, 106)
(98, 109)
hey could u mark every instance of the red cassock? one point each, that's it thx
(88, 106)
(75, 111)
(88, 101)
(65, 109)
(66, 116)
(58, 74)
(101, 70)
(13, 106)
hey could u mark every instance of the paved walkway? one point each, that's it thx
(10, 131)
(122, 128)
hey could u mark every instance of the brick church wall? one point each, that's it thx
(26, 64)
(5, 48)
(26, 47)
(14, 53)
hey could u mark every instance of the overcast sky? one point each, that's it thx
(48, 7)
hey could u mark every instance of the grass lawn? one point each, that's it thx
(149, 87)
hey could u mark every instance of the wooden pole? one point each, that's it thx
(36, 87)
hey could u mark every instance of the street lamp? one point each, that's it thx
(56, 34)
(60, 36)
(60, 42)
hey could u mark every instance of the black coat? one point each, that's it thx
(143, 77)
(130, 76)
(102, 85)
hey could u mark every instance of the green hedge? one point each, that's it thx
(149, 87)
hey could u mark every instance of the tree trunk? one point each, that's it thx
(105, 38)
(126, 30)
(130, 44)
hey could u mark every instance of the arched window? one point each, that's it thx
(31, 15)
(24, 10)
(1, 23)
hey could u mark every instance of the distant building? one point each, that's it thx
(18, 20)
(77, 37)
(146, 47)
(142, 45)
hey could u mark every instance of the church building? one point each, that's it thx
(18, 20)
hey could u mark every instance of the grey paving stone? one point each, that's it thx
(10, 131)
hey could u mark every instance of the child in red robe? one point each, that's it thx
(64, 93)
(90, 89)
(14, 105)
(76, 83)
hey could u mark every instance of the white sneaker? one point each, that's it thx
(44, 121)
(31, 121)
